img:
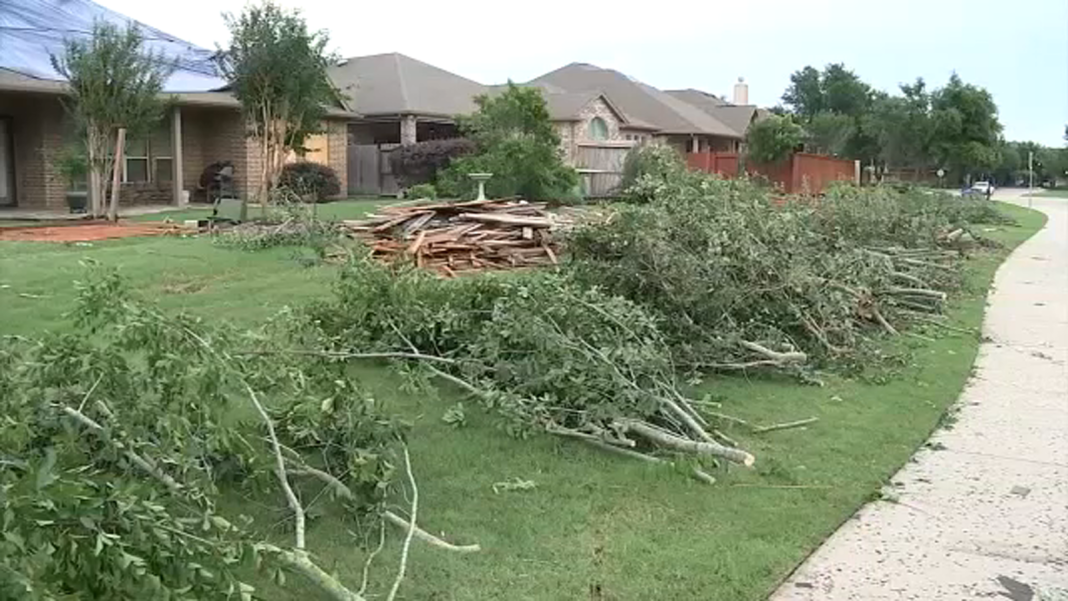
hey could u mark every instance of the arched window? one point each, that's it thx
(598, 129)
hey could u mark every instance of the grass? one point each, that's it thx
(353, 208)
(1059, 193)
(595, 526)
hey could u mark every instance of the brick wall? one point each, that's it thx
(596, 108)
(37, 136)
(337, 150)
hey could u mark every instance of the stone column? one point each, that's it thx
(407, 129)
(178, 186)
(695, 144)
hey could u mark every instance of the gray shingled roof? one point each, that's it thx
(735, 116)
(391, 84)
(637, 100)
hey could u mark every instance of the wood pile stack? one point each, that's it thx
(451, 238)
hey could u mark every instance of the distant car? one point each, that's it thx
(983, 188)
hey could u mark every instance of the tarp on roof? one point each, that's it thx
(31, 31)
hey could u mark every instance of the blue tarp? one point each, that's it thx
(31, 31)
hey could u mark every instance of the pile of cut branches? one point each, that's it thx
(542, 352)
(731, 273)
(118, 437)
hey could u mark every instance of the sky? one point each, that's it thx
(1017, 50)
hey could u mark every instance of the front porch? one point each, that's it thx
(159, 170)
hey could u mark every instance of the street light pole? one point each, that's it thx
(1031, 178)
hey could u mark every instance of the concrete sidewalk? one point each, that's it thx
(986, 516)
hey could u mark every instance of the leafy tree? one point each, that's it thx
(115, 87)
(276, 68)
(805, 94)
(900, 125)
(830, 133)
(1010, 164)
(773, 139)
(515, 142)
(964, 128)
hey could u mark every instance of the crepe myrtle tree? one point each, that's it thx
(276, 68)
(115, 91)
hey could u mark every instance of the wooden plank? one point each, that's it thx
(414, 247)
(507, 219)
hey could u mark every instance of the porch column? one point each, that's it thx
(407, 129)
(695, 144)
(176, 157)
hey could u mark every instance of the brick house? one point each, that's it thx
(202, 127)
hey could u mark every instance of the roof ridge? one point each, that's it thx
(405, 101)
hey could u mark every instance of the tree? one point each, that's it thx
(830, 133)
(515, 142)
(1010, 164)
(115, 87)
(805, 94)
(276, 68)
(900, 125)
(965, 130)
(773, 139)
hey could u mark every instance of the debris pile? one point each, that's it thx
(451, 238)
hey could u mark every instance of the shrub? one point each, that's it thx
(773, 139)
(517, 144)
(653, 160)
(419, 163)
(422, 191)
(310, 180)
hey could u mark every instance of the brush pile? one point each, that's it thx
(450, 238)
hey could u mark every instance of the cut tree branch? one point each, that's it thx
(690, 446)
(411, 527)
(791, 357)
(785, 426)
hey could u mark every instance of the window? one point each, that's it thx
(598, 129)
(136, 169)
(149, 159)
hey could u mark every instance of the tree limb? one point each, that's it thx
(411, 527)
(429, 538)
(785, 426)
(690, 446)
(280, 469)
(791, 357)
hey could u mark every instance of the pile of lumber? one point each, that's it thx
(451, 238)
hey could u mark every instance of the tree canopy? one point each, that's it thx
(277, 69)
(115, 83)
(773, 139)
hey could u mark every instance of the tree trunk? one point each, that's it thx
(116, 178)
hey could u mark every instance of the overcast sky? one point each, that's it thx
(1016, 49)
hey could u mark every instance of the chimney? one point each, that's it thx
(741, 92)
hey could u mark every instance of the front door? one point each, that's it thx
(7, 165)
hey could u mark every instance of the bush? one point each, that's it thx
(657, 161)
(310, 180)
(773, 139)
(517, 144)
(419, 163)
(422, 191)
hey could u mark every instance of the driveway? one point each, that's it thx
(982, 511)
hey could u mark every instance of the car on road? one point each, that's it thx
(986, 188)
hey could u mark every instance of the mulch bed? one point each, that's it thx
(85, 232)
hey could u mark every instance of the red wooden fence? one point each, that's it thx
(802, 172)
(723, 163)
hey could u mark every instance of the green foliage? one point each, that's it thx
(719, 262)
(422, 191)
(901, 126)
(118, 435)
(114, 83)
(277, 70)
(544, 351)
(829, 133)
(515, 142)
(965, 127)
(72, 164)
(420, 163)
(311, 180)
(657, 161)
(773, 139)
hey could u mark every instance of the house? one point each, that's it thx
(674, 121)
(737, 115)
(204, 126)
(402, 100)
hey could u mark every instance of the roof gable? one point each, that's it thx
(640, 101)
(394, 83)
(738, 117)
(33, 30)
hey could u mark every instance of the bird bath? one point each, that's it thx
(481, 179)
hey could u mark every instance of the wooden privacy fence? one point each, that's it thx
(369, 171)
(802, 172)
(600, 167)
(723, 163)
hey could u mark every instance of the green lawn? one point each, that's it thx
(596, 526)
(1060, 193)
(353, 208)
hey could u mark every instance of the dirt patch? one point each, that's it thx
(85, 232)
